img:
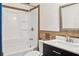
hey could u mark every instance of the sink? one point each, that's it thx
(60, 42)
(70, 43)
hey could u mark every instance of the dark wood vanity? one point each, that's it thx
(55, 51)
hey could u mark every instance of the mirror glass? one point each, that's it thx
(69, 17)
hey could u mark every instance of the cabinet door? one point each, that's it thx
(50, 51)
(67, 53)
(46, 50)
(54, 51)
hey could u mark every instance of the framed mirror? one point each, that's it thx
(69, 17)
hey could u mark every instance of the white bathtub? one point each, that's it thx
(17, 47)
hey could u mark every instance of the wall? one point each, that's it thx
(1, 52)
(49, 21)
(53, 34)
(49, 16)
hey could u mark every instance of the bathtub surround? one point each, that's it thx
(20, 29)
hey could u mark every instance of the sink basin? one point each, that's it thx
(70, 43)
(60, 42)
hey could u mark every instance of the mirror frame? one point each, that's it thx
(60, 19)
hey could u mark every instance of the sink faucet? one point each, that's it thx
(68, 39)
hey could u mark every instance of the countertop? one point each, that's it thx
(73, 49)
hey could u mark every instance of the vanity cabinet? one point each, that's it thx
(54, 51)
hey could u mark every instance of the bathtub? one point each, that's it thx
(17, 47)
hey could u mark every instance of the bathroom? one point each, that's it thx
(40, 29)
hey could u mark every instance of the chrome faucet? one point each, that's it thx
(68, 39)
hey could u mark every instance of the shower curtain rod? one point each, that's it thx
(20, 8)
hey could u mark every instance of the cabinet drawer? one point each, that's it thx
(50, 50)
(47, 50)
(54, 51)
(64, 52)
